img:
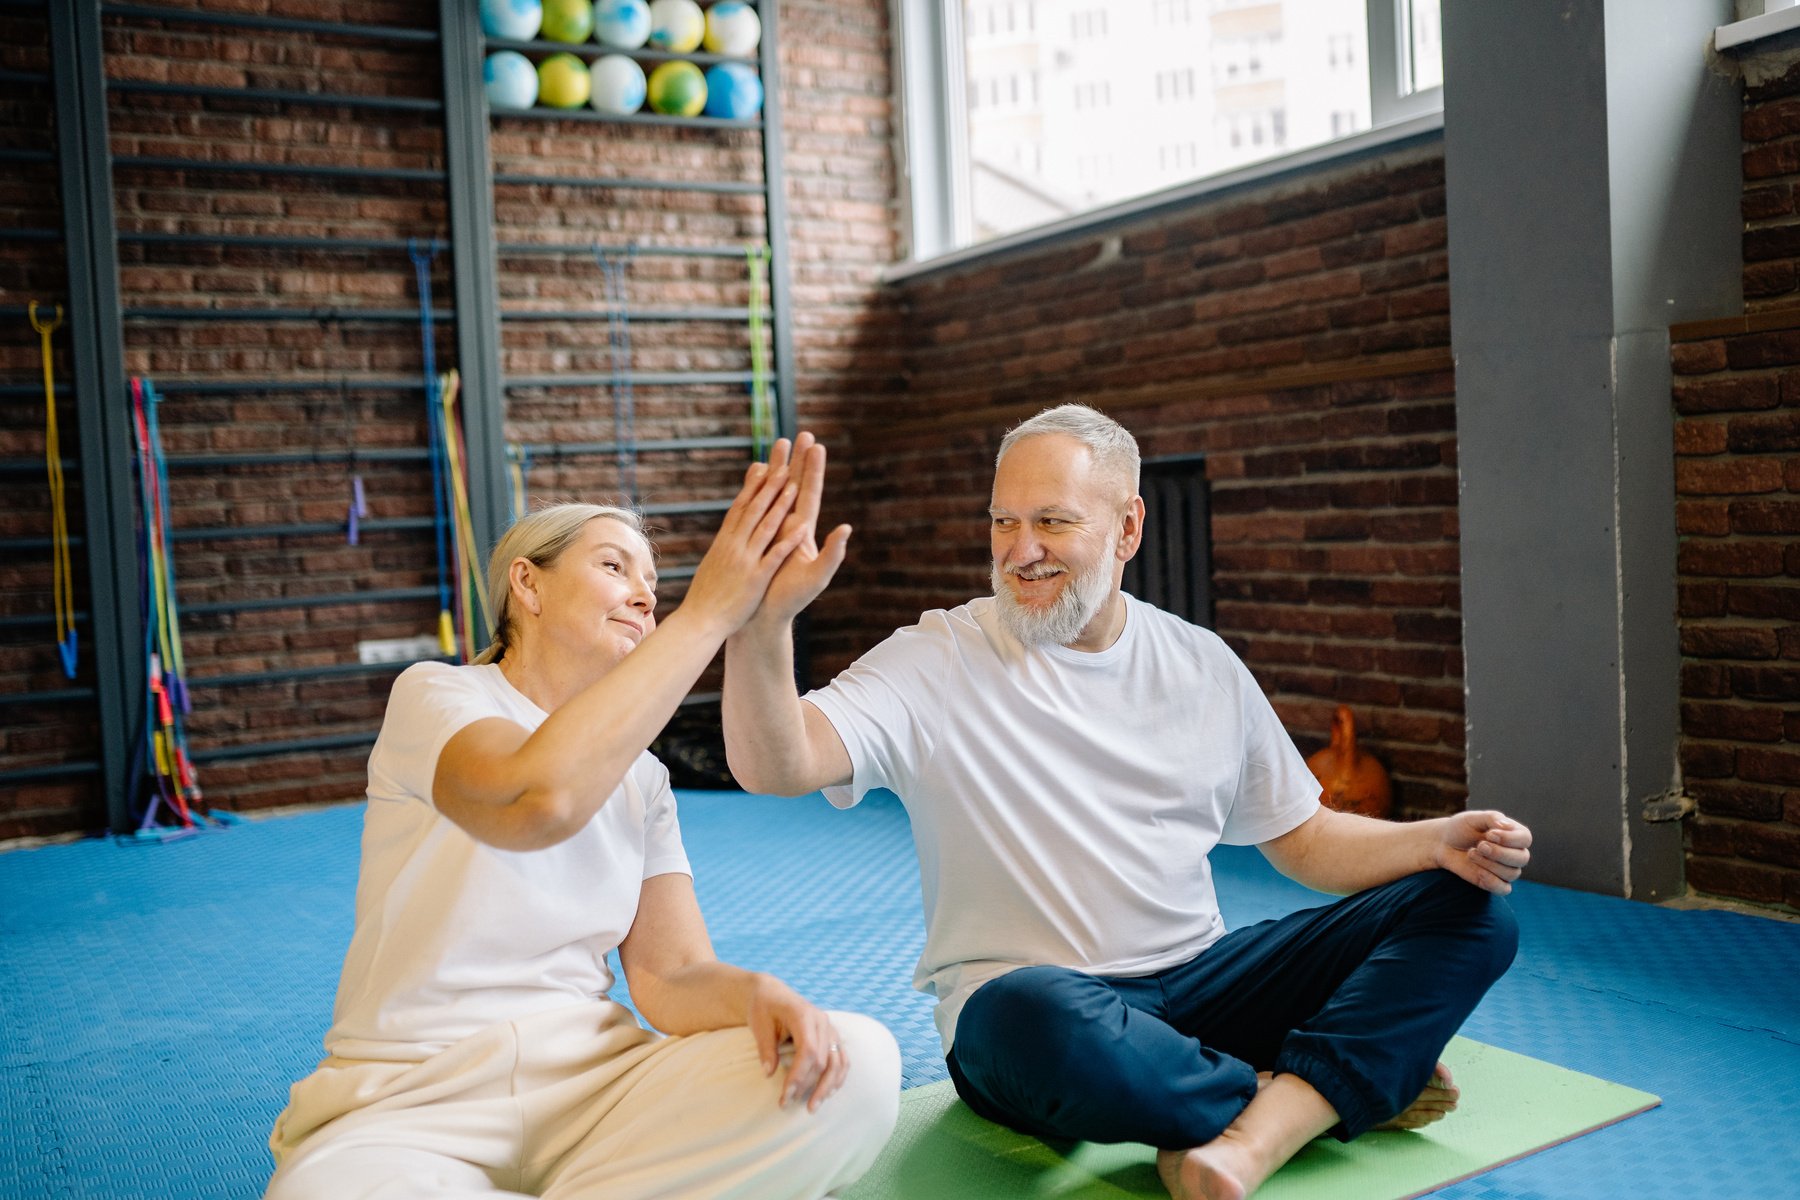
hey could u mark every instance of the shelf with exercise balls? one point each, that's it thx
(661, 62)
(695, 70)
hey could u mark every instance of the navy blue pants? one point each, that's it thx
(1358, 998)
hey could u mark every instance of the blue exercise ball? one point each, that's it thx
(733, 90)
(624, 24)
(510, 79)
(514, 20)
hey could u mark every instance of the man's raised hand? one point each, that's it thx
(810, 566)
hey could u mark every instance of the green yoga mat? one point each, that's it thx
(1511, 1106)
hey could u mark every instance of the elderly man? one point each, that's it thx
(1069, 755)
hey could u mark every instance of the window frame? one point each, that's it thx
(1390, 52)
(932, 151)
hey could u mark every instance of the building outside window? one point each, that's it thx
(1072, 80)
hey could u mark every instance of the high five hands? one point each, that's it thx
(810, 566)
(766, 552)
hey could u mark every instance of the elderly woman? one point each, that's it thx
(516, 833)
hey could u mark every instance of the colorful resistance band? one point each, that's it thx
(421, 259)
(762, 416)
(62, 586)
(166, 753)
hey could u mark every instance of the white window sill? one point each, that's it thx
(1754, 29)
(1341, 150)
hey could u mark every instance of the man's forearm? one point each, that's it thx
(1342, 853)
(765, 728)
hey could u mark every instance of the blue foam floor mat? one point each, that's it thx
(156, 1000)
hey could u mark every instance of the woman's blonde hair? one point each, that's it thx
(539, 537)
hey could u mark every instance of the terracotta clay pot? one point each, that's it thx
(1354, 781)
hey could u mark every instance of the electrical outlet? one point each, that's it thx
(387, 650)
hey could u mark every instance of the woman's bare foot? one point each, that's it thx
(1436, 1102)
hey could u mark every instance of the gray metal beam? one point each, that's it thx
(96, 334)
(476, 275)
(781, 291)
(1592, 191)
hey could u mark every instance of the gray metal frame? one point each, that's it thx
(97, 352)
(473, 266)
(95, 318)
(781, 297)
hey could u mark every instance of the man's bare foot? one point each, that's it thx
(1436, 1102)
(1215, 1171)
(1285, 1114)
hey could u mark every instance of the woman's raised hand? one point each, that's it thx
(759, 531)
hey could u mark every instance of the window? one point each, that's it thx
(1423, 45)
(1088, 24)
(1244, 59)
(1406, 64)
(1175, 85)
(1093, 94)
(1178, 156)
(1040, 105)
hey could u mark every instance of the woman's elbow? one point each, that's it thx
(541, 818)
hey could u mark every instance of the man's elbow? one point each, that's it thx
(762, 773)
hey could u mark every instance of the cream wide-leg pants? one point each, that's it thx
(583, 1103)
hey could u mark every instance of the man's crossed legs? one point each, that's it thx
(1344, 1009)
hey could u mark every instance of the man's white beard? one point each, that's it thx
(1072, 611)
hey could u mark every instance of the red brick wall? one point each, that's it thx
(840, 189)
(1737, 478)
(1296, 335)
(58, 733)
(1737, 472)
(1771, 203)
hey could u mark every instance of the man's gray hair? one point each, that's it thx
(1114, 450)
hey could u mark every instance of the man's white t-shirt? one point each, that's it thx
(453, 935)
(1064, 803)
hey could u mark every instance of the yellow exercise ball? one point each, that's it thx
(563, 81)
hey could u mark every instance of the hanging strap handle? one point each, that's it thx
(62, 584)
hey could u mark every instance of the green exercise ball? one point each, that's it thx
(568, 20)
(677, 89)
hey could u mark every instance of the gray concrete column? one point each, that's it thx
(1593, 181)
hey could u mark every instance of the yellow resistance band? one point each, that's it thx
(463, 526)
(62, 588)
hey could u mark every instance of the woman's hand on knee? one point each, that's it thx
(778, 1016)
